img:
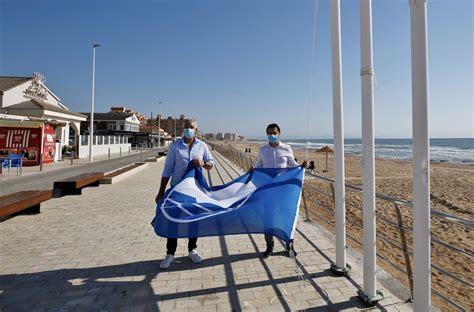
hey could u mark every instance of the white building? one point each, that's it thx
(29, 96)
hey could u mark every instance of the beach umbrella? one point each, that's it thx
(326, 149)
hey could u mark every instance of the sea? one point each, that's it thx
(459, 151)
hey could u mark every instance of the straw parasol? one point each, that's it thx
(326, 149)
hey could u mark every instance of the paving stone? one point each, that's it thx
(87, 300)
(97, 251)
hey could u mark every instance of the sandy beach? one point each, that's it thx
(451, 192)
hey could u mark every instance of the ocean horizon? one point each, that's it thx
(454, 150)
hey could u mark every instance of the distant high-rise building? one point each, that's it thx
(229, 136)
(209, 136)
(220, 136)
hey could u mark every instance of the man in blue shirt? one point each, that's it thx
(183, 151)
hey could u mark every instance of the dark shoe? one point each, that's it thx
(267, 253)
(290, 250)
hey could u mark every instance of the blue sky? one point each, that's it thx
(238, 65)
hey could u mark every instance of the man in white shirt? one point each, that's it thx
(275, 154)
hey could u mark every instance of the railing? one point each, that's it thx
(395, 251)
(103, 140)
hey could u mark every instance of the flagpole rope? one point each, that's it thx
(315, 15)
(298, 271)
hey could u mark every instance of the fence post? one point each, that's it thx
(405, 248)
(72, 157)
(120, 153)
(333, 195)
(305, 206)
(234, 158)
(129, 150)
(109, 152)
(141, 154)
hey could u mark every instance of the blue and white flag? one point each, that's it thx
(261, 201)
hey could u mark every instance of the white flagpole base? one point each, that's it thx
(340, 271)
(370, 300)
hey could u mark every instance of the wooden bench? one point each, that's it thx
(25, 201)
(74, 185)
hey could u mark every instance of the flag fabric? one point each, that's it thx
(261, 201)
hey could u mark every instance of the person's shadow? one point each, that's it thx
(100, 288)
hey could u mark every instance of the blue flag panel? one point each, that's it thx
(261, 201)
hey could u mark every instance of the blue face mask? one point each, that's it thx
(188, 133)
(272, 138)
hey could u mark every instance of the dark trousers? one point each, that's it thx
(172, 243)
(270, 242)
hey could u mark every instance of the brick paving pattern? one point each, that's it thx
(98, 252)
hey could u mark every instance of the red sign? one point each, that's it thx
(26, 141)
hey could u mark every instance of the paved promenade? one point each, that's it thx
(98, 252)
(32, 179)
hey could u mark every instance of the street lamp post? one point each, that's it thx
(45, 122)
(91, 129)
(159, 128)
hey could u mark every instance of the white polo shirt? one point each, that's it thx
(276, 157)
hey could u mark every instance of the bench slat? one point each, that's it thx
(81, 177)
(19, 196)
(79, 181)
(73, 185)
(12, 203)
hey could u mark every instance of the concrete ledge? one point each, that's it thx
(153, 159)
(114, 179)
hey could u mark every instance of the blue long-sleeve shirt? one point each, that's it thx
(179, 156)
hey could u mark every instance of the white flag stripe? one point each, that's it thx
(180, 206)
(203, 208)
(224, 198)
(202, 216)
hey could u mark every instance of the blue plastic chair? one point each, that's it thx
(6, 163)
(16, 161)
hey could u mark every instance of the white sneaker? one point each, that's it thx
(166, 262)
(195, 257)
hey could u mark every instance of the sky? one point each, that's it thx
(237, 66)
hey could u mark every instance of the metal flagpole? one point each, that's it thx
(340, 266)
(421, 160)
(91, 130)
(369, 293)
